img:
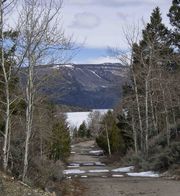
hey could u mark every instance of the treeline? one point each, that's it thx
(146, 124)
(32, 136)
(152, 97)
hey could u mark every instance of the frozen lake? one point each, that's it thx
(75, 119)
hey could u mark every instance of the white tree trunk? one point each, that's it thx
(6, 77)
(138, 109)
(134, 135)
(166, 111)
(154, 120)
(108, 143)
(146, 115)
(29, 115)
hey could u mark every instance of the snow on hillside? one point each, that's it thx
(75, 119)
(59, 66)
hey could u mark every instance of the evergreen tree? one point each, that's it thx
(60, 141)
(75, 132)
(153, 52)
(82, 131)
(88, 133)
(152, 60)
(174, 16)
(126, 130)
(7, 86)
(155, 43)
(114, 133)
(9, 60)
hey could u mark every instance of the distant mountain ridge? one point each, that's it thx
(92, 86)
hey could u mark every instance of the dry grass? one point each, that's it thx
(12, 187)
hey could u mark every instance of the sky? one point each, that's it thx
(97, 25)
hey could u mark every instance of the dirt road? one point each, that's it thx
(98, 180)
(130, 187)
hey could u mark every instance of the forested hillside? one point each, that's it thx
(90, 86)
(148, 118)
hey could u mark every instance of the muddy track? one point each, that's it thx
(98, 180)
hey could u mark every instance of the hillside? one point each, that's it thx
(84, 85)
(11, 187)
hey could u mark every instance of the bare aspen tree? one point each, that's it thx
(154, 120)
(127, 60)
(138, 106)
(6, 84)
(94, 119)
(40, 40)
(134, 134)
(165, 109)
(108, 142)
(6, 75)
(152, 97)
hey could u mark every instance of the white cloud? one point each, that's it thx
(104, 25)
(112, 3)
(80, 2)
(123, 16)
(105, 59)
(85, 20)
(101, 22)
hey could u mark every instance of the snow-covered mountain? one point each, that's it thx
(84, 85)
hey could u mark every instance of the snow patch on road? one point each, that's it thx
(88, 164)
(123, 169)
(99, 164)
(98, 171)
(74, 165)
(96, 152)
(73, 171)
(144, 174)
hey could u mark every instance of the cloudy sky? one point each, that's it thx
(100, 24)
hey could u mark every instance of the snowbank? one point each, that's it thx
(73, 171)
(144, 174)
(117, 176)
(88, 164)
(74, 164)
(99, 164)
(98, 171)
(96, 152)
(123, 169)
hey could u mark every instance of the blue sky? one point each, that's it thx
(100, 24)
(97, 25)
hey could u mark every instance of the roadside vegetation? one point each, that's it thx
(34, 139)
(145, 127)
